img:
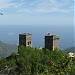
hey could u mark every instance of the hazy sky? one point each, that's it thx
(37, 12)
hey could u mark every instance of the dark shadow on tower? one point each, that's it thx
(25, 39)
(51, 41)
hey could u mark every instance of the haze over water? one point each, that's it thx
(10, 34)
(37, 17)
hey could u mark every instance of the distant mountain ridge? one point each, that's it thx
(70, 49)
(7, 49)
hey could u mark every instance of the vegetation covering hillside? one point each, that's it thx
(33, 61)
(7, 49)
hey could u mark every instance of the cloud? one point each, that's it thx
(39, 6)
(51, 10)
(48, 6)
(9, 3)
(5, 3)
(11, 34)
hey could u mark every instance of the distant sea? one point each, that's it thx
(10, 34)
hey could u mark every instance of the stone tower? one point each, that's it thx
(51, 41)
(25, 39)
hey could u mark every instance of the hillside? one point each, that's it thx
(70, 49)
(7, 49)
(32, 61)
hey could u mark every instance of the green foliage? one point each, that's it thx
(33, 61)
